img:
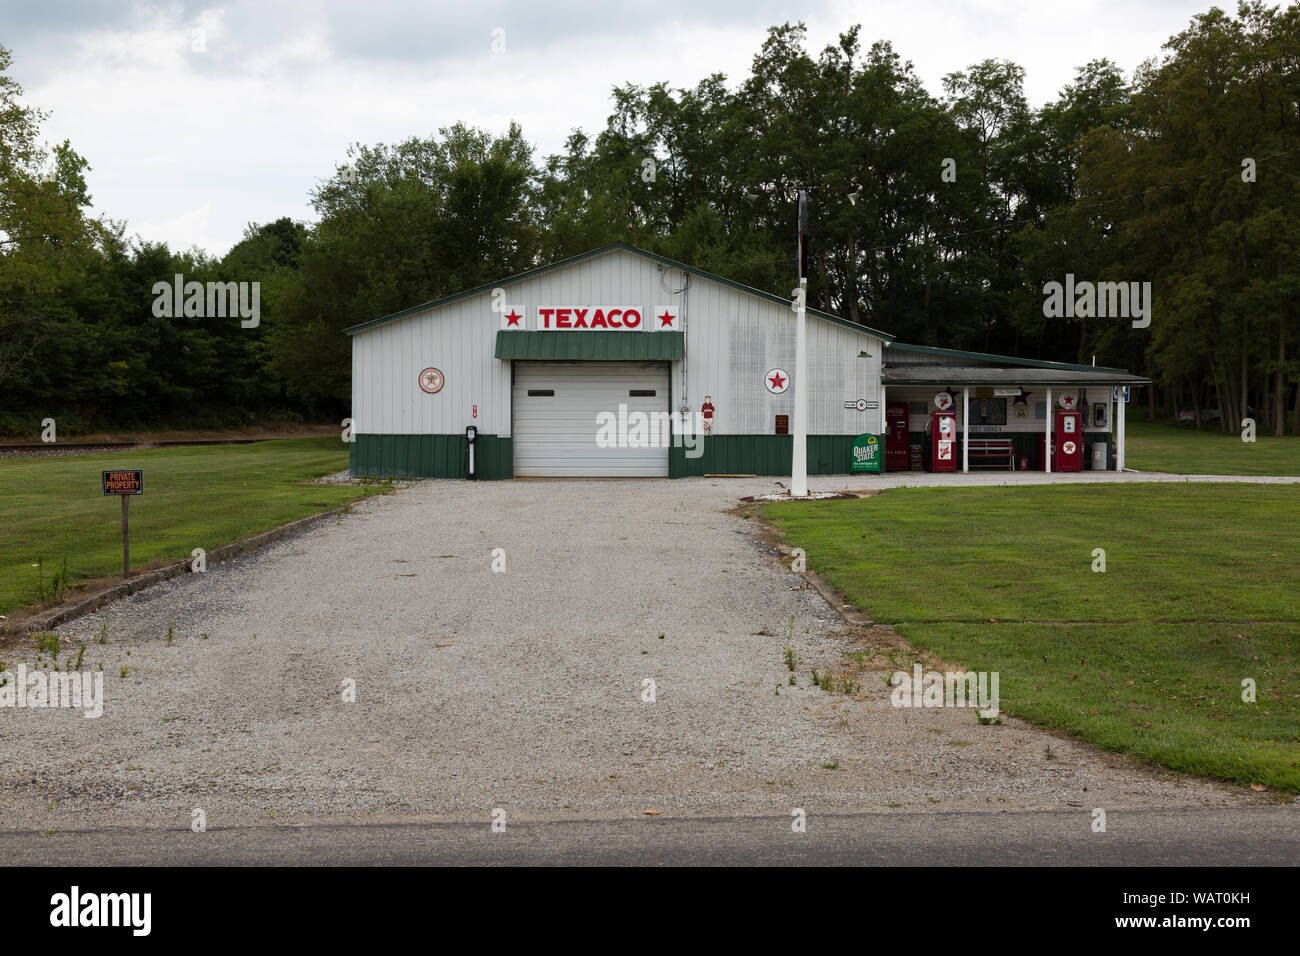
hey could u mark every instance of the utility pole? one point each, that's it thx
(799, 428)
(799, 464)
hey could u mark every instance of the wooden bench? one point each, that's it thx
(1001, 452)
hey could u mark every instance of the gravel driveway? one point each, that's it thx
(520, 690)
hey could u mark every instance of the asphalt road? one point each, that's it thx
(1227, 836)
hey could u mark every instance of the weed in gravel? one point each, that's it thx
(81, 652)
(171, 631)
(53, 592)
(831, 766)
(103, 633)
(122, 670)
(47, 642)
(790, 660)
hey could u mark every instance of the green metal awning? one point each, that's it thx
(567, 346)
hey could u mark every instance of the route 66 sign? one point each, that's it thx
(431, 380)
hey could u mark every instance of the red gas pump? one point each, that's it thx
(898, 452)
(1068, 442)
(941, 433)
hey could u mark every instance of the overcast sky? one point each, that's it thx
(191, 136)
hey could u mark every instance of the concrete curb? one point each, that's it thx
(52, 618)
(848, 613)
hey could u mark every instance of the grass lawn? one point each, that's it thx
(54, 508)
(1147, 658)
(1185, 451)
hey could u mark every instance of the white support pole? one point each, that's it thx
(799, 466)
(1047, 441)
(965, 428)
(1119, 433)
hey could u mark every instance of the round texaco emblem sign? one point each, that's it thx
(777, 381)
(431, 380)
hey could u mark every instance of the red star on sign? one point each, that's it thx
(777, 381)
(666, 319)
(513, 318)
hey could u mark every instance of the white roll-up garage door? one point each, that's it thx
(556, 409)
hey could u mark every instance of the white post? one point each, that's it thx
(799, 466)
(1119, 433)
(965, 428)
(1047, 441)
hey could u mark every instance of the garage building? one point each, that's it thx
(622, 363)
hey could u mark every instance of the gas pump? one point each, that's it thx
(1067, 442)
(941, 439)
(898, 451)
(471, 435)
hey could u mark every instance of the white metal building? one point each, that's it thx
(533, 361)
(620, 362)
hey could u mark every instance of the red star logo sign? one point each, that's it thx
(777, 381)
(666, 320)
(513, 318)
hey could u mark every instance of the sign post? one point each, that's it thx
(126, 484)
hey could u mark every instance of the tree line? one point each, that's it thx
(939, 219)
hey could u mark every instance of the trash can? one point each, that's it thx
(1099, 450)
(868, 454)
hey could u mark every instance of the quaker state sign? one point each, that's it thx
(868, 454)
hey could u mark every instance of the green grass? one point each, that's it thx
(1147, 658)
(1185, 451)
(54, 508)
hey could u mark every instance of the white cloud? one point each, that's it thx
(190, 146)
